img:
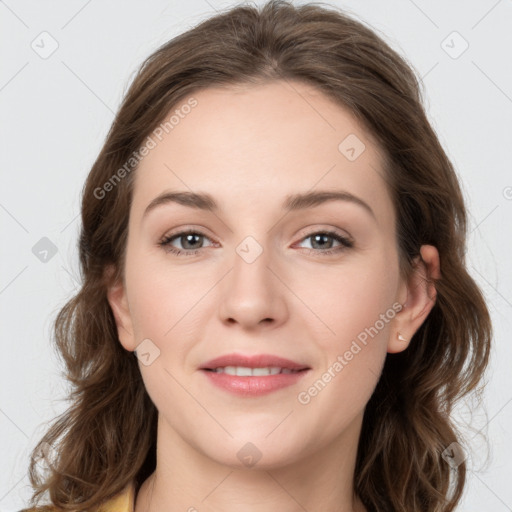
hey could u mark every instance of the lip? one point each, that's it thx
(254, 361)
(253, 385)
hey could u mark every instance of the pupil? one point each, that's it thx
(316, 237)
(187, 237)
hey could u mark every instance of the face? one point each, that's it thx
(317, 283)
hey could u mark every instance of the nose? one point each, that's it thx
(253, 294)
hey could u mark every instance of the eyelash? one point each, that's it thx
(345, 243)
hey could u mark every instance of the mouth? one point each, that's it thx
(245, 371)
(250, 365)
(253, 375)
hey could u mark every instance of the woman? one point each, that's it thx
(217, 361)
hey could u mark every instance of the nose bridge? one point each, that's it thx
(252, 293)
(251, 275)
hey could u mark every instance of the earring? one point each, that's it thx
(400, 337)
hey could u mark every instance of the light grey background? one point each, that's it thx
(56, 112)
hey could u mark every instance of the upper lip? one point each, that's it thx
(254, 361)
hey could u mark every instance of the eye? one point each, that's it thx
(319, 239)
(192, 240)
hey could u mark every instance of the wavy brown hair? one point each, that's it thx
(107, 438)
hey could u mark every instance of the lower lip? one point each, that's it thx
(253, 386)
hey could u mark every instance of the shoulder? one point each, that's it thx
(122, 502)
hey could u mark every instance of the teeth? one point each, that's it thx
(242, 371)
(262, 371)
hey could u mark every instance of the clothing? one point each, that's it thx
(122, 502)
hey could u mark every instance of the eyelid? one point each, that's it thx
(304, 233)
(344, 239)
(166, 239)
(186, 230)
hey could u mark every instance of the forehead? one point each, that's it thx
(263, 141)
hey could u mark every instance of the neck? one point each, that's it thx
(187, 480)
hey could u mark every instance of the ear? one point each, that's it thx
(116, 296)
(420, 297)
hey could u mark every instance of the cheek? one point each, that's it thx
(337, 302)
(161, 296)
(357, 308)
(350, 300)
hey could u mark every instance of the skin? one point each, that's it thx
(249, 147)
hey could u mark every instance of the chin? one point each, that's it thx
(257, 452)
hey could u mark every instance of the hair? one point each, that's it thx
(107, 437)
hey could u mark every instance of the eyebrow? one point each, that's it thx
(293, 202)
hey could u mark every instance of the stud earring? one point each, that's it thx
(400, 337)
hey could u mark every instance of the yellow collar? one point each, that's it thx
(122, 502)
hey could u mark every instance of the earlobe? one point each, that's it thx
(421, 297)
(116, 296)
